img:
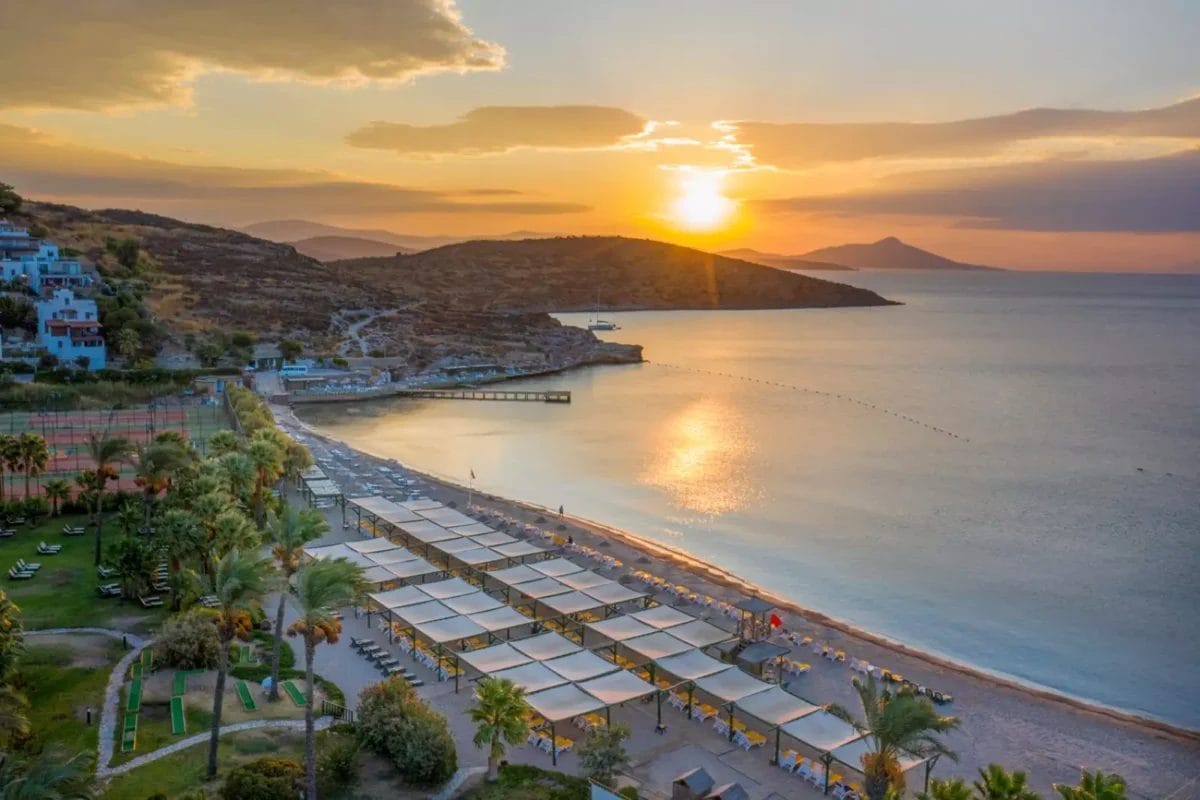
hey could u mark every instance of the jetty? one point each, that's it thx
(448, 393)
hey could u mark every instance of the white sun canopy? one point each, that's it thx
(620, 628)
(492, 539)
(581, 665)
(617, 687)
(731, 685)
(501, 619)
(415, 568)
(423, 612)
(398, 598)
(510, 576)
(821, 731)
(691, 665)
(452, 546)
(654, 646)
(545, 646)
(447, 517)
(557, 567)
(495, 658)
(519, 550)
(662, 617)
(699, 633)
(532, 677)
(612, 593)
(472, 603)
(426, 532)
(323, 488)
(450, 629)
(563, 702)
(775, 706)
(546, 587)
(451, 587)
(312, 473)
(851, 755)
(420, 505)
(397, 556)
(570, 603)
(478, 555)
(371, 546)
(478, 529)
(583, 580)
(383, 509)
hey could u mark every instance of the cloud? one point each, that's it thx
(41, 166)
(100, 55)
(497, 129)
(1154, 195)
(808, 144)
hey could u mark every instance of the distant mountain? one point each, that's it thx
(889, 253)
(784, 262)
(577, 273)
(295, 230)
(337, 248)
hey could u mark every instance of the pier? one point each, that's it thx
(544, 396)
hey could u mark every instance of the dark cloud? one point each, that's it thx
(805, 144)
(1154, 195)
(95, 55)
(496, 129)
(40, 166)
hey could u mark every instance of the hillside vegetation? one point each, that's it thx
(578, 273)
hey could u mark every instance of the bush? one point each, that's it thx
(629, 792)
(337, 762)
(189, 641)
(264, 779)
(398, 725)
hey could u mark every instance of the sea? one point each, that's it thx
(1004, 470)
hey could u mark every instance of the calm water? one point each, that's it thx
(1005, 470)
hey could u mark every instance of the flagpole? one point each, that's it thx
(470, 489)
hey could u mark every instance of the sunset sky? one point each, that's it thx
(1051, 135)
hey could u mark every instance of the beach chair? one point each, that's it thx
(803, 769)
(787, 761)
(49, 549)
(15, 574)
(28, 566)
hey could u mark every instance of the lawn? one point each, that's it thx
(183, 772)
(63, 592)
(63, 676)
(531, 783)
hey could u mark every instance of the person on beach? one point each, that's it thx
(560, 511)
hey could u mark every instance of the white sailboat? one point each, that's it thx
(595, 323)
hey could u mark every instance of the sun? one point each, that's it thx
(701, 204)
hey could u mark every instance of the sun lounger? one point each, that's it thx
(72, 530)
(178, 720)
(49, 549)
(244, 695)
(153, 601)
(133, 703)
(297, 696)
(15, 574)
(7, 533)
(26, 566)
(105, 572)
(129, 734)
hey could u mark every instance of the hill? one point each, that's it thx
(889, 253)
(616, 273)
(780, 261)
(334, 248)
(294, 230)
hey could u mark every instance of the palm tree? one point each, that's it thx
(296, 459)
(499, 712)
(223, 442)
(322, 587)
(288, 533)
(237, 581)
(133, 559)
(895, 723)
(157, 464)
(238, 476)
(105, 451)
(52, 775)
(1093, 786)
(266, 455)
(57, 491)
(33, 455)
(996, 783)
(9, 455)
(950, 789)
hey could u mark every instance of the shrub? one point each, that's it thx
(602, 752)
(629, 792)
(337, 762)
(398, 725)
(264, 779)
(189, 641)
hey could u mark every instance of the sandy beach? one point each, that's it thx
(1048, 735)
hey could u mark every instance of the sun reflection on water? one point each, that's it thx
(701, 459)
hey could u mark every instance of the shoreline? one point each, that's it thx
(706, 571)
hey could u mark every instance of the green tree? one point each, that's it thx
(264, 779)
(296, 459)
(33, 456)
(602, 752)
(57, 492)
(895, 723)
(233, 531)
(10, 457)
(12, 635)
(105, 452)
(127, 251)
(133, 560)
(266, 455)
(53, 774)
(951, 789)
(223, 442)
(157, 464)
(288, 532)
(996, 783)
(290, 349)
(238, 472)
(1093, 786)
(322, 588)
(238, 581)
(499, 714)
(128, 343)
(10, 201)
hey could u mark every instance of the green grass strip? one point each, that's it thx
(178, 720)
(147, 659)
(180, 685)
(136, 671)
(133, 703)
(245, 696)
(297, 696)
(129, 735)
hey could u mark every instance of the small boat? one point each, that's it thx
(602, 325)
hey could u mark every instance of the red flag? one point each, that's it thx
(775, 620)
(472, 474)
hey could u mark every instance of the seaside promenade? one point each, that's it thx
(1013, 726)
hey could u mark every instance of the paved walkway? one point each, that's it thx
(320, 724)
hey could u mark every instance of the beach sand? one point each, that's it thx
(1049, 736)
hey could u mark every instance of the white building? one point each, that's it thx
(37, 260)
(69, 327)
